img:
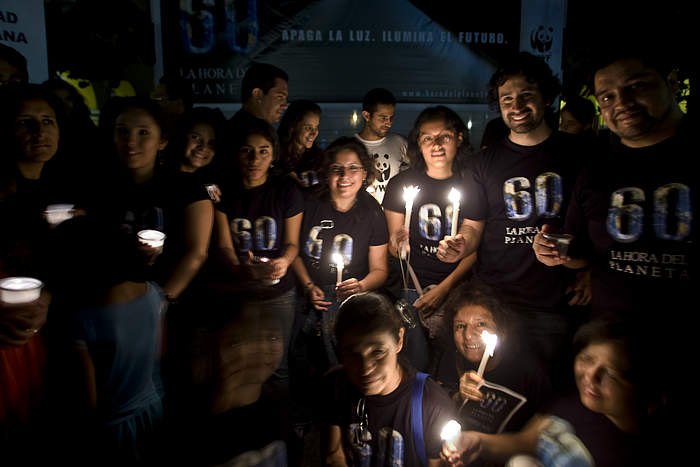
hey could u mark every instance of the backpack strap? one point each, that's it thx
(417, 416)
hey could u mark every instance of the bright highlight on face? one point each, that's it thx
(438, 145)
(345, 175)
(467, 325)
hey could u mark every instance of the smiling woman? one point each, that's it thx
(379, 406)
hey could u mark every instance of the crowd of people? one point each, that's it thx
(221, 291)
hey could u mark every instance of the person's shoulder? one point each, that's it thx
(396, 137)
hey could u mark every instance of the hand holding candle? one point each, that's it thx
(409, 194)
(454, 197)
(339, 265)
(450, 432)
(490, 341)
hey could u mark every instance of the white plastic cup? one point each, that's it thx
(57, 213)
(16, 290)
(152, 238)
(263, 259)
(211, 190)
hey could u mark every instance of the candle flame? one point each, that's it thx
(338, 260)
(490, 341)
(409, 193)
(450, 431)
(454, 196)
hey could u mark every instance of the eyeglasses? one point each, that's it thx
(340, 170)
(429, 140)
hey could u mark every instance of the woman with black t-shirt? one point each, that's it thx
(145, 195)
(375, 405)
(198, 138)
(300, 156)
(257, 225)
(343, 223)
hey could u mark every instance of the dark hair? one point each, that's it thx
(16, 59)
(260, 75)
(289, 125)
(184, 123)
(582, 109)
(80, 108)
(351, 144)
(652, 56)
(116, 106)
(177, 88)
(453, 122)
(375, 97)
(256, 127)
(479, 295)
(533, 68)
(367, 313)
(606, 331)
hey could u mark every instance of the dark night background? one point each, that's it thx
(104, 39)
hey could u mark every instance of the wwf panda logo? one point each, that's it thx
(383, 167)
(541, 38)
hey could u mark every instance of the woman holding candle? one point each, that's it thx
(611, 420)
(300, 155)
(375, 402)
(345, 236)
(471, 310)
(438, 146)
(30, 122)
(257, 225)
(144, 195)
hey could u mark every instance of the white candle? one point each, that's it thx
(454, 198)
(490, 341)
(339, 265)
(57, 213)
(449, 433)
(152, 238)
(20, 289)
(409, 194)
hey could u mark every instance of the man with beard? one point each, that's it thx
(633, 212)
(513, 187)
(388, 150)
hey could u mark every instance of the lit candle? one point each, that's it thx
(449, 433)
(339, 265)
(490, 341)
(152, 238)
(454, 198)
(57, 213)
(409, 194)
(20, 289)
(264, 259)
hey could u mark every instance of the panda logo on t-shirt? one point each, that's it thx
(383, 167)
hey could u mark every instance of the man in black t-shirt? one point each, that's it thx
(516, 185)
(632, 215)
(264, 94)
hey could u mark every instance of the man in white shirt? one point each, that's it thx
(387, 149)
